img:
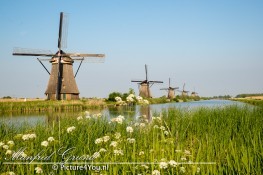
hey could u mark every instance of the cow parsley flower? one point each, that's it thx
(182, 169)
(38, 170)
(118, 152)
(141, 153)
(114, 144)
(156, 172)
(44, 143)
(2, 143)
(5, 146)
(163, 165)
(129, 129)
(102, 150)
(173, 163)
(106, 138)
(71, 129)
(131, 140)
(98, 141)
(50, 139)
(11, 142)
(79, 118)
(8, 152)
(117, 135)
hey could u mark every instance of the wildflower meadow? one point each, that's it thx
(203, 141)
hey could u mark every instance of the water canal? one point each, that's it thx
(127, 111)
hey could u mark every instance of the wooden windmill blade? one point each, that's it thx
(155, 81)
(17, 51)
(164, 89)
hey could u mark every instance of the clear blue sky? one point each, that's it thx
(214, 46)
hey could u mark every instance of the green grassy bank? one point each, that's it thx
(45, 105)
(205, 141)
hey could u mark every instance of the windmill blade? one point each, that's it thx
(146, 72)
(164, 89)
(31, 52)
(84, 55)
(169, 82)
(175, 88)
(63, 31)
(155, 81)
(138, 81)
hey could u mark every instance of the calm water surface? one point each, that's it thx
(131, 112)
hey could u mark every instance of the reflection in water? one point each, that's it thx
(131, 112)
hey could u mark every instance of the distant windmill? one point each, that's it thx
(184, 92)
(145, 85)
(171, 90)
(62, 83)
(194, 94)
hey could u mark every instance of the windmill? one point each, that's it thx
(171, 92)
(62, 83)
(194, 94)
(145, 85)
(184, 92)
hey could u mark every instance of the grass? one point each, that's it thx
(43, 105)
(230, 136)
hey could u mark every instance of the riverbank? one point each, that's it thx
(40, 105)
(253, 101)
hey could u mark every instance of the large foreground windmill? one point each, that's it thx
(171, 90)
(62, 83)
(145, 85)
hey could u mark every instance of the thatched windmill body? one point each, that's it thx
(194, 93)
(144, 86)
(62, 83)
(171, 90)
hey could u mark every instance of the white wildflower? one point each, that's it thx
(11, 142)
(79, 118)
(131, 140)
(11, 173)
(146, 102)
(163, 165)
(5, 146)
(71, 129)
(145, 166)
(106, 138)
(166, 133)
(117, 135)
(141, 153)
(187, 152)
(114, 144)
(23, 155)
(129, 129)
(118, 152)
(139, 98)
(182, 169)
(102, 150)
(183, 158)
(38, 170)
(32, 136)
(162, 128)
(155, 126)
(156, 172)
(50, 139)
(2, 143)
(198, 170)
(25, 137)
(98, 141)
(129, 99)
(87, 113)
(118, 99)
(88, 117)
(136, 124)
(142, 125)
(44, 143)
(8, 152)
(173, 163)
(178, 151)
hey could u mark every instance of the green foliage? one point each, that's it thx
(7, 97)
(248, 95)
(231, 137)
(113, 95)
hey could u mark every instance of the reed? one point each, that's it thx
(173, 142)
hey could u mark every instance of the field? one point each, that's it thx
(205, 141)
